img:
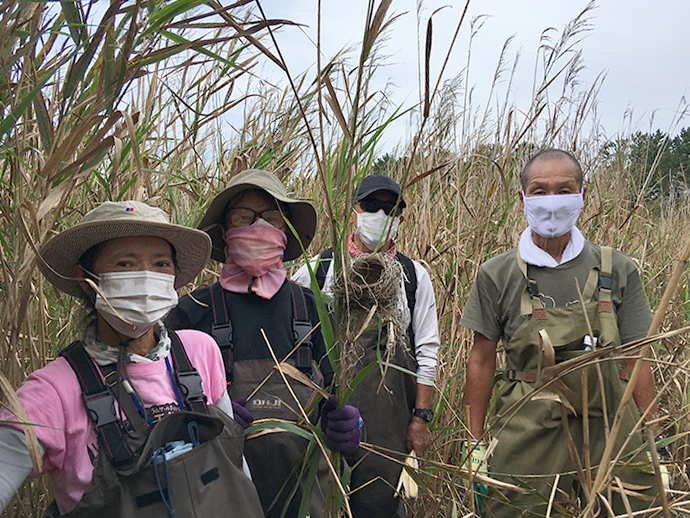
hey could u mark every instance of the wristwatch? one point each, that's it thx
(425, 413)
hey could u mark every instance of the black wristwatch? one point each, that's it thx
(425, 413)
(665, 449)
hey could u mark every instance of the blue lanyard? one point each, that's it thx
(180, 402)
(139, 405)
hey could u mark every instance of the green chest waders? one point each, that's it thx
(532, 443)
(275, 459)
(386, 410)
(133, 478)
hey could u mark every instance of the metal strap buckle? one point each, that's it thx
(532, 287)
(111, 378)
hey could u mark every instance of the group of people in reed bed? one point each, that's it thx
(145, 413)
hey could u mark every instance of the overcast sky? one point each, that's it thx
(643, 47)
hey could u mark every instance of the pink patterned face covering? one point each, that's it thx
(254, 260)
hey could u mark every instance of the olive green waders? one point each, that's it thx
(532, 444)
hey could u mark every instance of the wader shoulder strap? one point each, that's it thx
(100, 405)
(606, 280)
(410, 284)
(410, 280)
(301, 328)
(221, 330)
(530, 303)
(325, 260)
(591, 285)
(188, 378)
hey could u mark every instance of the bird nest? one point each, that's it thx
(370, 293)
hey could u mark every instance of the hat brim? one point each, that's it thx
(62, 252)
(302, 217)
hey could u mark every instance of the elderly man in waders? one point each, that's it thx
(529, 289)
(252, 307)
(397, 417)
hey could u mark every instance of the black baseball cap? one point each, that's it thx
(378, 182)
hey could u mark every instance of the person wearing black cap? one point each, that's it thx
(399, 422)
(252, 307)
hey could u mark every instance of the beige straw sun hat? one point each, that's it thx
(302, 213)
(111, 220)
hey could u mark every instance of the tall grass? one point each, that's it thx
(131, 103)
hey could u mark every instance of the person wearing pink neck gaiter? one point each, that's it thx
(256, 314)
(254, 253)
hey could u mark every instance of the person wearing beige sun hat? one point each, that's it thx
(301, 214)
(253, 304)
(129, 395)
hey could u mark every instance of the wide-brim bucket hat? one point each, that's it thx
(111, 220)
(302, 214)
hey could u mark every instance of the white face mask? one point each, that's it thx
(552, 215)
(141, 297)
(373, 228)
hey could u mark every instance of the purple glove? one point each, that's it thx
(342, 426)
(243, 416)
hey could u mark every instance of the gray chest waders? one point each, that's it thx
(133, 478)
(275, 459)
(386, 410)
(532, 443)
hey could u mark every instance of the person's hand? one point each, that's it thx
(477, 462)
(663, 471)
(342, 426)
(243, 416)
(418, 436)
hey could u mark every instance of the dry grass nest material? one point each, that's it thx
(372, 279)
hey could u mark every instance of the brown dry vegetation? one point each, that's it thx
(130, 106)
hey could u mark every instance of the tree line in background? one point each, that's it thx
(658, 164)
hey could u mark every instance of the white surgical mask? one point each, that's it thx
(373, 228)
(142, 297)
(552, 215)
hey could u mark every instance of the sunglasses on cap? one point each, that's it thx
(373, 205)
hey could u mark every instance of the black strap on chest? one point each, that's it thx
(410, 283)
(187, 377)
(301, 328)
(97, 386)
(100, 405)
(222, 331)
(325, 260)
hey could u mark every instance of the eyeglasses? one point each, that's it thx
(374, 205)
(242, 217)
